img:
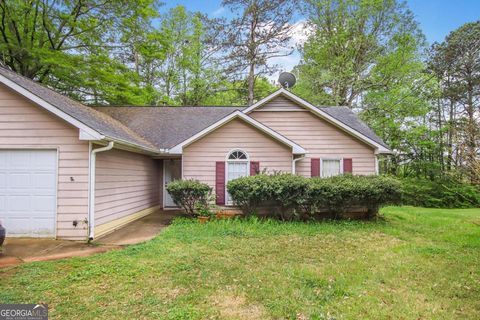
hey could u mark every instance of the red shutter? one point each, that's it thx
(220, 182)
(315, 167)
(347, 166)
(254, 168)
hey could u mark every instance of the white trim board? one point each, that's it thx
(379, 148)
(296, 149)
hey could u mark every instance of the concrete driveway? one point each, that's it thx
(20, 250)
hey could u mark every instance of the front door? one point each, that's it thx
(172, 170)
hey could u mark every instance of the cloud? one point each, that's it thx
(300, 32)
(218, 12)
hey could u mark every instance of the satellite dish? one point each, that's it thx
(287, 80)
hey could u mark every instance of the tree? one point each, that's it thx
(456, 62)
(349, 40)
(56, 42)
(190, 71)
(399, 110)
(229, 92)
(261, 30)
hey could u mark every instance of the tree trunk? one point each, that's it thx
(251, 83)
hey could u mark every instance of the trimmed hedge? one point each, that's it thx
(294, 196)
(446, 193)
(191, 195)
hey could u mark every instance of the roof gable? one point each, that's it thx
(93, 125)
(280, 103)
(341, 117)
(296, 149)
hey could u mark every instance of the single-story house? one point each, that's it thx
(75, 172)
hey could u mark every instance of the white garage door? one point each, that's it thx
(28, 192)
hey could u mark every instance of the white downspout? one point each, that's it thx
(91, 197)
(294, 163)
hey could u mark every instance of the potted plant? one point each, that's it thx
(203, 210)
(203, 215)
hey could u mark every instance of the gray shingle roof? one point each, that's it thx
(98, 121)
(347, 117)
(166, 127)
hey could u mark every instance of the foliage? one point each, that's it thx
(456, 63)
(192, 195)
(441, 193)
(293, 195)
(350, 43)
(66, 44)
(259, 31)
(250, 192)
(339, 193)
(232, 93)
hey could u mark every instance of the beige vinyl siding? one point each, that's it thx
(280, 103)
(319, 138)
(24, 125)
(125, 183)
(161, 182)
(199, 157)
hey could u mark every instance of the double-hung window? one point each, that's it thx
(331, 167)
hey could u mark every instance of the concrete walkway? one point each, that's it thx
(140, 230)
(20, 250)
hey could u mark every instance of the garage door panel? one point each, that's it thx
(43, 161)
(44, 181)
(3, 160)
(43, 203)
(3, 180)
(18, 159)
(18, 180)
(41, 227)
(19, 204)
(28, 192)
(18, 225)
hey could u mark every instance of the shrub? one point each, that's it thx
(249, 193)
(444, 193)
(190, 195)
(341, 192)
(293, 195)
(288, 194)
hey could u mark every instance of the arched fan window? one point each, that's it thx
(237, 155)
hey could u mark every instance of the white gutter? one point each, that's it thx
(294, 163)
(91, 196)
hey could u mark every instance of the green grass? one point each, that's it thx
(414, 263)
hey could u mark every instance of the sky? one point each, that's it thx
(437, 18)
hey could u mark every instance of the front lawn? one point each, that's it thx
(414, 264)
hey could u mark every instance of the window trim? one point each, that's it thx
(227, 161)
(237, 160)
(337, 159)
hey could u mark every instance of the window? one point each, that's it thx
(331, 167)
(237, 166)
(237, 155)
